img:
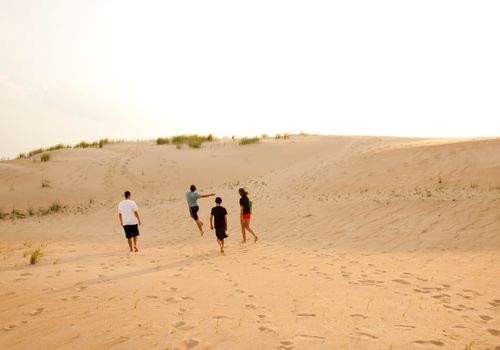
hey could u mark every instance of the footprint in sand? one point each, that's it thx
(251, 306)
(416, 290)
(310, 337)
(267, 330)
(36, 311)
(182, 326)
(494, 332)
(172, 300)
(401, 281)
(219, 317)
(429, 342)
(495, 303)
(286, 345)
(9, 328)
(455, 308)
(117, 341)
(404, 326)
(191, 343)
(366, 335)
(464, 296)
(306, 315)
(443, 297)
(359, 315)
(473, 292)
(485, 318)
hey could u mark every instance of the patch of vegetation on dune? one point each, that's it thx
(83, 144)
(249, 140)
(192, 141)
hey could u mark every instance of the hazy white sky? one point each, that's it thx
(84, 70)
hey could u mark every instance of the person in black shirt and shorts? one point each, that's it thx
(220, 215)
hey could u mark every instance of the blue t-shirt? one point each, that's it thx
(192, 198)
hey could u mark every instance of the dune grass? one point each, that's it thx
(45, 157)
(54, 208)
(285, 136)
(103, 142)
(249, 140)
(36, 255)
(82, 144)
(163, 141)
(17, 214)
(193, 141)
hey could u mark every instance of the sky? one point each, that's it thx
(74, 70)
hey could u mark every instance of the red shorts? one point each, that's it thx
(246, 216)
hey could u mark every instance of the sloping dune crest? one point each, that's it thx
(365, 243)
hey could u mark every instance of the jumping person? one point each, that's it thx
(245, 215)
(192, 199)
(128, 213)
(220, 215)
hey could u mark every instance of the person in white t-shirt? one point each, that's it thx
(128, 213)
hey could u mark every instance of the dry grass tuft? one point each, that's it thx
(36, 255)
(249, 140)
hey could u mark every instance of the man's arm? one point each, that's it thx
(136, 213)
(225, 222)
(120, 217)
(207, 195)
(211, 221)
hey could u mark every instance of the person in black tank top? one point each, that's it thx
(245, 215)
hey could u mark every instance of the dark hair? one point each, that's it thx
(127, 194)
(242, 192)
(192, 188)
(218, 200)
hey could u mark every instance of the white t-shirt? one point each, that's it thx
(127, 208)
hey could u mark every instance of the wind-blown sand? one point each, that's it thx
(365, 243)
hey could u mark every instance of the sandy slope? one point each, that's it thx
(366, 243)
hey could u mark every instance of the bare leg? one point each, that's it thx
(135, 244)
(131, 246)
(199, 223)
(247, 226)
(243, 233)
(221, 245)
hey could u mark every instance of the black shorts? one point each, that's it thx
(194, 212)
(220, 233)
(131, 230)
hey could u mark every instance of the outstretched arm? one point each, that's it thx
(207, 195)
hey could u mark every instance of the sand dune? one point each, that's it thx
(365, 243)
